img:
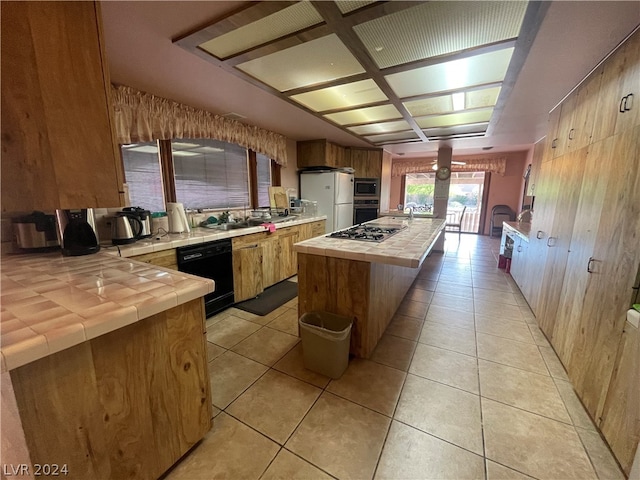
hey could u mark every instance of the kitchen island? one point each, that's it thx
(365, 281)
(104, 368)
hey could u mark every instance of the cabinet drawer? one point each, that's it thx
(164, 258)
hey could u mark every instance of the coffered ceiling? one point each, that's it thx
(213, 55)
(387, 72)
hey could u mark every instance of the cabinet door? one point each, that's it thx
(536, 163)
(247, 272)
(621, 415)
(585, 112)
(318, 228)
(312, 153)
(288, 256)
(552, 135)
(621, 77)
(588, 214)
(565, 124)
(568, 171)
(57, 139)
(541, 225)
(613, 269)
(271, 266)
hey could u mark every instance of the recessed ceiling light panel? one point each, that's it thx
(297, 17)
(438, 28)
(341, 96)
(392, 137)
(453, 75)
(458, 118)
(384, 127)
(365, 115)
(347, 6)
(310, 63)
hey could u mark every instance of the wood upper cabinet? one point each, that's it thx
(320, 153)
(58, 148)
(367, 162)
(536, 164)
(552, 135)
(618, 107)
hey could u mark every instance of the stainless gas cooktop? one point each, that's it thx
(372, 232)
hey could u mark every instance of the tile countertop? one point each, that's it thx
(50, 303)
(522, 229)
(407, 248)
(197, 235)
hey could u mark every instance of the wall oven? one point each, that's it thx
(366, 187)
(365, 209)
(212, 260)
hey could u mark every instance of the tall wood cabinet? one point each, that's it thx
(367, 162)
(58, 148)
(586, 233)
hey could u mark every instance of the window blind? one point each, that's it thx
(143, 175)
(210, 174)
(263, 166)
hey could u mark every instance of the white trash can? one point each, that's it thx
(325, 342)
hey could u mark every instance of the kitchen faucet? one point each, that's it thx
(411, 213)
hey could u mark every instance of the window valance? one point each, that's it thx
(493, 164)
(142, 117)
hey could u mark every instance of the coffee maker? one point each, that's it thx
(77, 232)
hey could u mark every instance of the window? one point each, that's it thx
(466, 191)
(142, 170)
(210, 174)
(419, 189)
(207, 174)
(263, 166)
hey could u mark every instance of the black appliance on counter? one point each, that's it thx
(365, 209)
(77, 232)
(212, 260)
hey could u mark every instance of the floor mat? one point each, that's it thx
(270, 299)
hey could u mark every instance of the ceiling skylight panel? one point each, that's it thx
(458, 118)
(310, 63)
(487, 97)
(481, 69)
(392, 137)
(297, 17)
(439, 28)
(430, 106)
(347, 6)
(341, 96)
(380, 127)
(365, 115)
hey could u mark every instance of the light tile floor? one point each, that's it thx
(463, 385)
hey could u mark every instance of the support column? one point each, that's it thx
(441, 193)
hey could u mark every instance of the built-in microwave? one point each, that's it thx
(366, 187)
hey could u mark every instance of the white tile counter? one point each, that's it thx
(197, 235)
(407, 248)
(50, 303)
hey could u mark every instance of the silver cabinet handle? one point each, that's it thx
(589, 269)
(571, 132)
(554, 142)
(519, 248)
(550, 243)
(540, 234)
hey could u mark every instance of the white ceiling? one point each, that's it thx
(573, 37)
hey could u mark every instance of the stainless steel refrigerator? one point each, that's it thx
(333, 190)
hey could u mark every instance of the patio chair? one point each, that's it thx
(456, 225)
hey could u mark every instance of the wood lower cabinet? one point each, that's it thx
(127, 404)
(247, 272)
(261, 260)
(58, 148)
(621, 413)
(163, 258)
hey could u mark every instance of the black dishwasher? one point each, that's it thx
(212, 260)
